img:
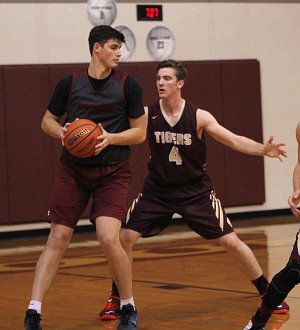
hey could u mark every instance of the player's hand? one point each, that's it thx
(63, 131)
(293, 201)
(274, 150)
(104, 140)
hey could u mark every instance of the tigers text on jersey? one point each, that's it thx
(178, 156)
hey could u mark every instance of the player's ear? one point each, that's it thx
(97, 46)
(180, 83)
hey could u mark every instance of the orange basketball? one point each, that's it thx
(81, 137)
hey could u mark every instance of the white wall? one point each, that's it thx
(57, 33)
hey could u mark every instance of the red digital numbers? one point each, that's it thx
(152, 12)
(149, 12)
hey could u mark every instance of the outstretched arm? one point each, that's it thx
(294, 199)
(237, 142)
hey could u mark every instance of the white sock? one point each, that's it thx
(126, 302)
(35, 305)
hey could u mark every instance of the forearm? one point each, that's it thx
(296, 177)
(248, 146)
(52, 128)
(236, 142)
(294, 198)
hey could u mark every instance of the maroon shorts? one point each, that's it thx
(152, 212)
(295, 255)
(107, 185)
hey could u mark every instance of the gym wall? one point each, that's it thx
(230, 90)
(35, 32)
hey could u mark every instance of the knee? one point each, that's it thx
(230, 243)
(127, 240)
(108, 241)
(58, 241)
(287, 278)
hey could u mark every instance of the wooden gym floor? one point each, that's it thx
(180, 280)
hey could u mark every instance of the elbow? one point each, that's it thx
(234, 146)
(43, 126)
(143, 137)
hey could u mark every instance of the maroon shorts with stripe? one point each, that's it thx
(107, 185)
(200, 209)
(295, 255)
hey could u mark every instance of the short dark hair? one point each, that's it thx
(179, 68)
(103, 33)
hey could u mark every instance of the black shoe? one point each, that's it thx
(32, 320)
(129, 318)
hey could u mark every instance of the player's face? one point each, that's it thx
(110, 53)
(167, 83)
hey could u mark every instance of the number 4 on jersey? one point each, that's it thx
(174, 156)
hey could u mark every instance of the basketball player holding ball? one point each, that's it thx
(177, 181)
(113, 100)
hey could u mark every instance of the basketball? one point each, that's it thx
(81, 137)
(160, 43)
(101, 12)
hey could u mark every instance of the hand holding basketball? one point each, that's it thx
(104, 140)
(80, 138)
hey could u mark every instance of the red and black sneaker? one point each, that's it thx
(111, 310)
(282, 308)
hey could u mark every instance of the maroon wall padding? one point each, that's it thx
(130, 68)
(242, 114)
(140, 153)
(203, 87)
(230, 90)
(4, 205)
(29, 167)
(147, 78)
